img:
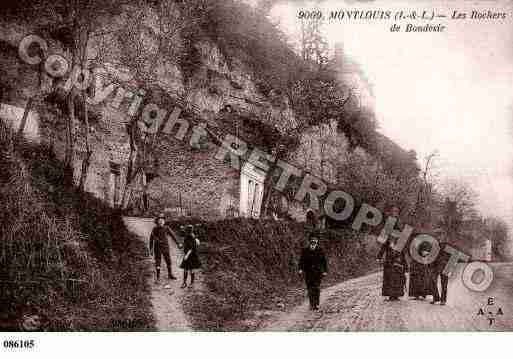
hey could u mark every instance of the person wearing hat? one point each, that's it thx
(437, 270)
(419, 279)
(394, 261)
(394, 269)
(314, 265)
(159, 246)
(191, 261)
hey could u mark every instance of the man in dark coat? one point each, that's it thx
(394, 269)
(436, 269)
(314, 265)
(159, 246)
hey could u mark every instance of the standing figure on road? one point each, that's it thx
(314, 265)
(190, 261)
(394, 269)
(420, 285)
(159, 246)
(436, 269)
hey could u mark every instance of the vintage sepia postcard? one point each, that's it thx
(255, 166)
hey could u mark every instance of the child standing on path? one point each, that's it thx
(190, 260)
(159, 246)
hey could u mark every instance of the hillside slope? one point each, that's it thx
(67, 263)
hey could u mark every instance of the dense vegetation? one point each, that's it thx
(67, 262)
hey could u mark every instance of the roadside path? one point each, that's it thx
(166, 302)
(357, 305)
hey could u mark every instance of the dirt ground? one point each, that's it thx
(167, 296)
(354, 305)
(357, 305)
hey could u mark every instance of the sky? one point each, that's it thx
(451, 92)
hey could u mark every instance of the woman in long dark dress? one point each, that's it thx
(419, 276)
(394, 269)
(190, 260)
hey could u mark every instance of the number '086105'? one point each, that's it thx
(19, 344)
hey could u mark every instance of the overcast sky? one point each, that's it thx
(450, 91)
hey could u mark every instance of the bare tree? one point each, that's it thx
(72, 23)
(84, 19)
(457, 207)
(424, 189)
(462, 194)
(502, 246)
(314, 47)
(146, 39)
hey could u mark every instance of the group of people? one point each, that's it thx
(313, 265)
(423, 277)
(159, 248)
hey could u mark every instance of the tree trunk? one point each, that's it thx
(267, 200)
(87, 160)
(145, 194)
(80, 33)
(70, 140)
(84, 39)
(129, 178)
(269, 183)
(30, 101)
(69, 154)
(128, 192)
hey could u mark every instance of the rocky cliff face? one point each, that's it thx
(183, 178)
(188, 180)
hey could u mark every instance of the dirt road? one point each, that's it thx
(357, 305)
(166, 301)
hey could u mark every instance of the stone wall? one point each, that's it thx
(202, 184)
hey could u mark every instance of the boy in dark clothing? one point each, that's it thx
(159, 246)
(314, 265)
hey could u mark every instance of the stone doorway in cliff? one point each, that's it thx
(251, 190)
